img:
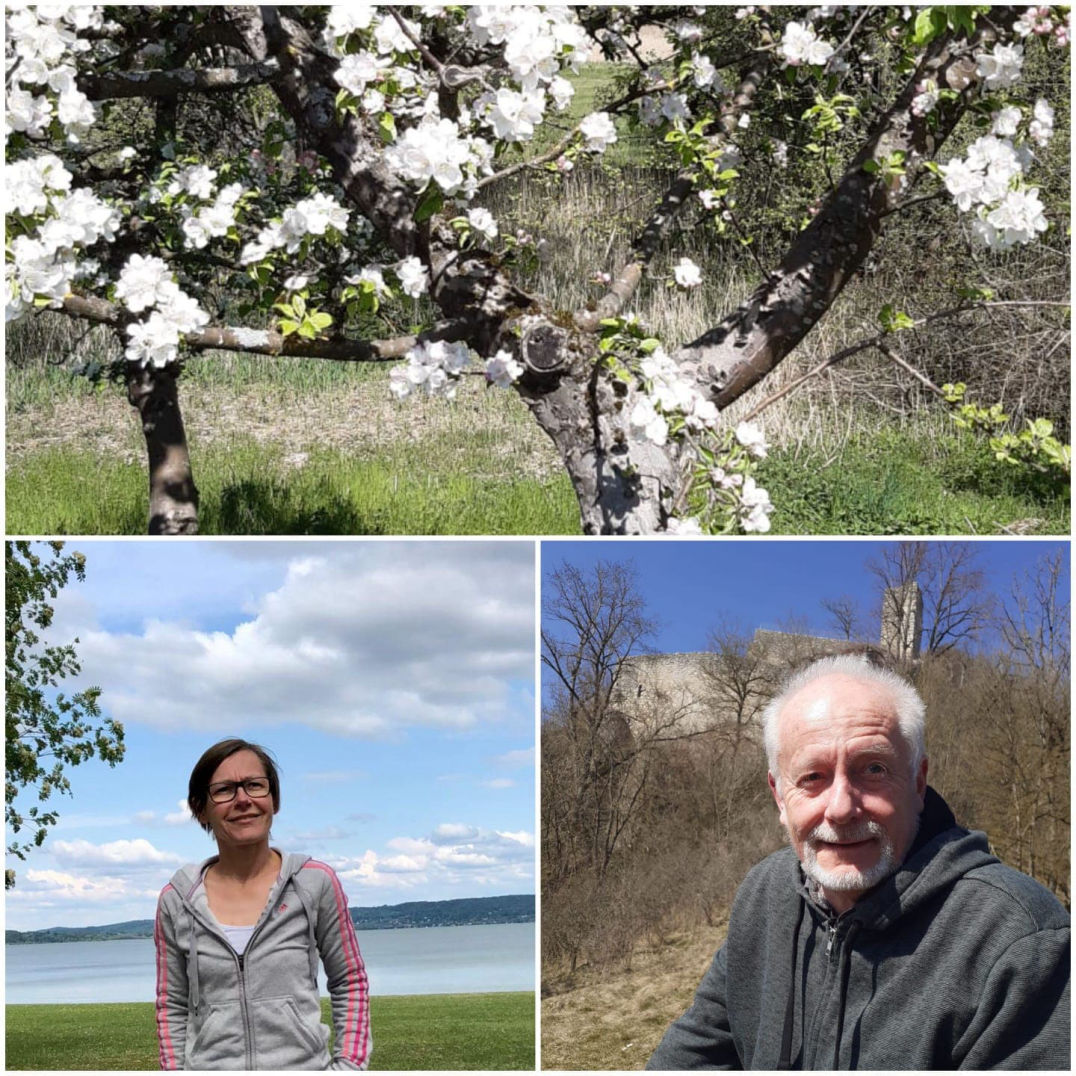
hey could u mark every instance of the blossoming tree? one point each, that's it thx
(358, 177)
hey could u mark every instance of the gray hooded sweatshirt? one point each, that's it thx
(954, 962)
(219, 1010)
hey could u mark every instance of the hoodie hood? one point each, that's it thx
(185, 881)
(941, 853)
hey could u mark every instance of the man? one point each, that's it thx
(887, 936)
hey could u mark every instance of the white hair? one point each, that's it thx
(908, 704)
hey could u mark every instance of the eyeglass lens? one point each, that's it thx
(255, 787)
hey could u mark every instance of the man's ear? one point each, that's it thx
(777, 797)
(921, 782)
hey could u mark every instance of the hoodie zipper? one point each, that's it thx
(247, 1030)
(240, 963)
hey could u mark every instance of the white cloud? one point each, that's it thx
(180, 817)
(138, 852)
(45, 887)
(455, 853)
(524, 757)
(454, 831)
(499, 782)
(365, 642)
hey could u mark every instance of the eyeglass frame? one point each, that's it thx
(235, 785)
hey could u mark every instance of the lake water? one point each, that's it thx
(429, 960)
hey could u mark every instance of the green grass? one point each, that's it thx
(892, 481)
(899, 482)
(248, 488)
(429, 1031)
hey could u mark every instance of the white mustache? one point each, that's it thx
(864, 831)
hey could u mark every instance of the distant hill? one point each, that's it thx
(463, 912)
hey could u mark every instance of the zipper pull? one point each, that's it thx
(832, 937)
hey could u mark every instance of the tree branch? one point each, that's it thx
(735, 355)
(181, 80)
(630, 275)
(880, 342)
(270, 342)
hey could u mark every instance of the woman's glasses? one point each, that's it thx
(255, 787)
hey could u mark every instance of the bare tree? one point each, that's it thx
(845, 616)
(740, 677)
(956, 603)
(1034, 622)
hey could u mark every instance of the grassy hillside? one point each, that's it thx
(612, 1019)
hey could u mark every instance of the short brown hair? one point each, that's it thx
(206, 766)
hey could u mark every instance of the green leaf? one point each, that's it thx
(431, 203)
(287, 327)
(928, 24)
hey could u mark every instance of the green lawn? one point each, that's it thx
(248, 488)
(426, 1031)
(890, 481)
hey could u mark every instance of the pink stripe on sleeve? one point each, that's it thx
(164, 1035)
(357, 1025)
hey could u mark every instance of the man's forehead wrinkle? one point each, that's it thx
(874, 743)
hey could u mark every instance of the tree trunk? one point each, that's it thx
(173, 496)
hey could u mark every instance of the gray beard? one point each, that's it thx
(848, 879)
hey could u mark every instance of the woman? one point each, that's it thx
(238, 938)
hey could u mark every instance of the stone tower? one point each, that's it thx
(902, 621)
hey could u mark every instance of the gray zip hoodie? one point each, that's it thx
(955, 961)
(219, 1010)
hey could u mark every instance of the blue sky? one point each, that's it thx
(690, 587)
(392, 680)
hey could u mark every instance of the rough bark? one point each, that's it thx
(173, 496)
(750, 342)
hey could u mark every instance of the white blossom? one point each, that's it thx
(1006, 121)
(1002, 67)
(1041, 127)
(140, 282)
(800, 45)
(752, 438)
(481, 220)
(687, 273)
(513, 115)
(683, 525)
(646, 418)
(502, 369)
(357, 70)
(413, 277)
(599, 132)
(755, 507)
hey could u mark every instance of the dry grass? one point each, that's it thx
(609, 1020)
(353, 418)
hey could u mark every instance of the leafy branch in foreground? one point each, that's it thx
(43, 725)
